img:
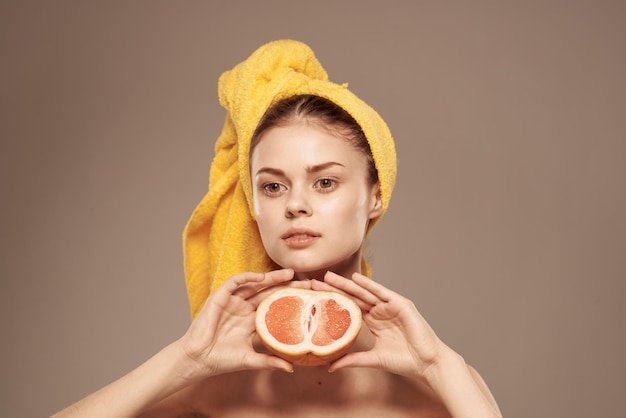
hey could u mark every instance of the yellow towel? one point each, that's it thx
(221, 237)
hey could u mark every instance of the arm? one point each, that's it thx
(218, 341)
(461, 388)
(407, 345)
(165, 373)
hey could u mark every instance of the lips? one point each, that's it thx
(300, 238)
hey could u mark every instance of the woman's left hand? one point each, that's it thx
(406, 345)
(404, 342)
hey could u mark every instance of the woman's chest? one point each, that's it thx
(315, 393)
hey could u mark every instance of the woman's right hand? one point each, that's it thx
(220, 339)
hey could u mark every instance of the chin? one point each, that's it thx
(306, 268)
(313, 262)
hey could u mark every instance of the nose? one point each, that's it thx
(297, 205)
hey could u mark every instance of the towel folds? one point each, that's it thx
(221, 238)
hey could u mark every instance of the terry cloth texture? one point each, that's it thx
(221, 238)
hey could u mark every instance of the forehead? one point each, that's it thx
(303, 143)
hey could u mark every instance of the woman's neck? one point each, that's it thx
(344, 268)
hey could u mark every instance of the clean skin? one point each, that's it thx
(312, 200)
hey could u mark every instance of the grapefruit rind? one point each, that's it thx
(337, 337)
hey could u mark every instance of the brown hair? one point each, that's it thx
(326, 114)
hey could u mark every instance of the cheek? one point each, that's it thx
(259, 211)
(347, 209)
(255, 205)
(266, 212)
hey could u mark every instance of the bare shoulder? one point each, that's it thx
(482, 385)
(179, 405)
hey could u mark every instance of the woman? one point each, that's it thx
(303, 170)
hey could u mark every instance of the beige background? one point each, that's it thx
(506, 228)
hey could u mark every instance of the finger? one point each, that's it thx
(357, 359)
(373, 287)
(278, 276)
(323, 286)
(262, 293)
(269, 279)
(351, 287)
(280, 364)
(267, 361)
(301, 284)
(264, 290)
(236, 281)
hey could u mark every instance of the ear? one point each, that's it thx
(376, 202)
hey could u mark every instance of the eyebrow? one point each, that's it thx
(309, 169)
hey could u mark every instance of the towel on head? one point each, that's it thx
(221, 238)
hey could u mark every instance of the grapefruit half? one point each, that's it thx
(308, 327)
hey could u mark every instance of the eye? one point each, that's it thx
(326, 185)
(273, 189)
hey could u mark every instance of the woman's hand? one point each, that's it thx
(404, 342)
(220, 339)
(406, 345)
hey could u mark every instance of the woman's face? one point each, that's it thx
(312, 200)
